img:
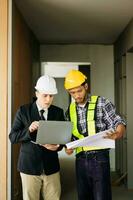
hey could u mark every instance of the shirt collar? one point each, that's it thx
(89, 98)
(39, 108)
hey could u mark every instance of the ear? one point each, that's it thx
(36, 93)
(86, 86)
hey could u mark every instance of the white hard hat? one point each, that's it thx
(46, 84)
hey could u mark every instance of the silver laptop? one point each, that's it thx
(54, 132)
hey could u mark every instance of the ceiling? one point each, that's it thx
(76, 21)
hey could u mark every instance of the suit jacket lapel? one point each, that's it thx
(34, 113)
(51, 113)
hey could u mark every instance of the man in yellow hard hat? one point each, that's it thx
(38, 164)
(91, 114)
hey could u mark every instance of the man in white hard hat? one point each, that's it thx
(38, 165)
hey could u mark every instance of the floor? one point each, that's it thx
(121, 193)
(118, 193)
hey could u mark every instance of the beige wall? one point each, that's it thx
(125, 41)
(129, 69)
(122, 46)
(3, 97)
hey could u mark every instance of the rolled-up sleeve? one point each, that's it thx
(111, 118)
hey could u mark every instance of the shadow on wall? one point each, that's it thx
(68, 180)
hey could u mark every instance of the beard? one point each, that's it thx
(81, 100)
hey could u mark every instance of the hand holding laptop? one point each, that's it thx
(52, 147)
(34, 126)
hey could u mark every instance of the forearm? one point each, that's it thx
(117, 133)
(120, 131)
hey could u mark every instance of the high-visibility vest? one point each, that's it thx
(90, 123)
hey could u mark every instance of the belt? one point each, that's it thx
(90, 154)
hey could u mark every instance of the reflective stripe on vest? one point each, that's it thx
(90, 122)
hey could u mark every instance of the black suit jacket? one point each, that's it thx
(34, 159)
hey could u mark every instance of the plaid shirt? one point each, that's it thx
(106, 116)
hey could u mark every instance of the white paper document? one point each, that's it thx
(96, 140)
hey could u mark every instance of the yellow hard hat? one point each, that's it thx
(73, 79)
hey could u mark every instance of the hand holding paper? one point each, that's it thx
(96, 140)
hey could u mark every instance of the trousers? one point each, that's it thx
(48, 186)
(93, 175)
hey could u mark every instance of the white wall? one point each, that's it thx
(57, 70)
(100, 57)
